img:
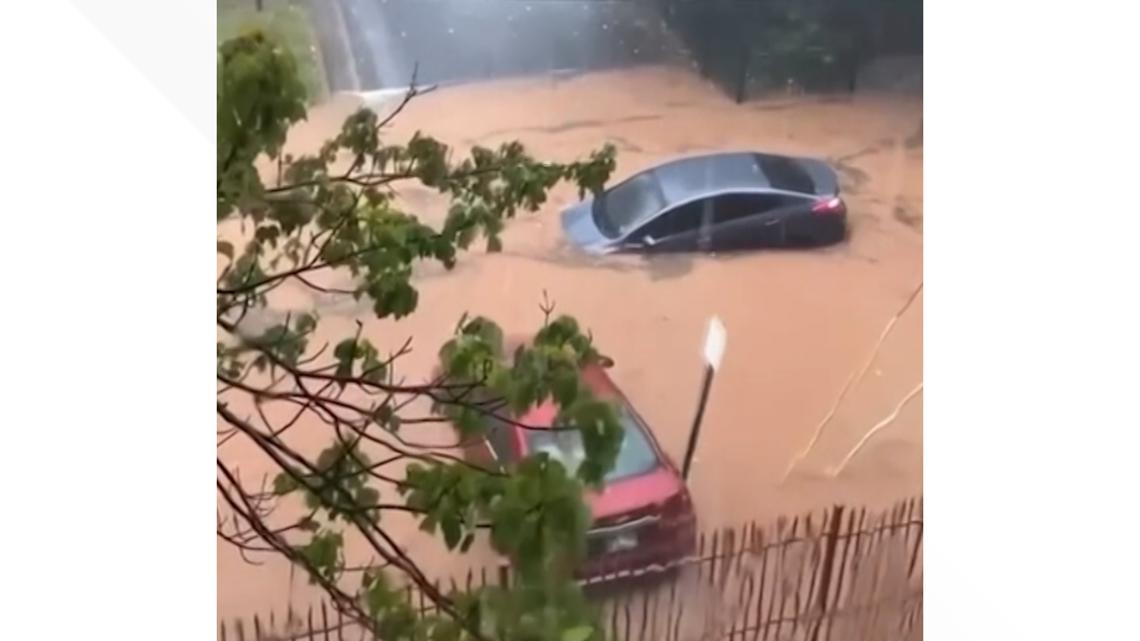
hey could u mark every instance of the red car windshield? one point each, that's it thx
(636, 457)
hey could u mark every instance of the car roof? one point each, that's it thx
(694, 176)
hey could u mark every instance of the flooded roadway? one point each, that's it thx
(800, 323)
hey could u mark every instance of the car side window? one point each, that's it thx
(500, 438)
(675, 221)
(730, 207)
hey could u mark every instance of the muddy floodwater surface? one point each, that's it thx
(800, 323)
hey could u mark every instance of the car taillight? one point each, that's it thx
(829, 206)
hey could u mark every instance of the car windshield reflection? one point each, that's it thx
(635, 458)
(619, 210)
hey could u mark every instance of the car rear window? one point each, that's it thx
(636, 456)
(785, 174)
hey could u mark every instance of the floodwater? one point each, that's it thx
(800, 323)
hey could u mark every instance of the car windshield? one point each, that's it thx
(623, 207)
(635, 458)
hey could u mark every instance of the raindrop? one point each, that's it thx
(403, 34)
(605, 26)
(451, 30)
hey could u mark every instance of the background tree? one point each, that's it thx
(335, 211)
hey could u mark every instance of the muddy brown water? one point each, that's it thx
(800, 323)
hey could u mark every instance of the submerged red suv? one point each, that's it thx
(643, 518)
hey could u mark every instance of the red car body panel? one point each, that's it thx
(636, 493)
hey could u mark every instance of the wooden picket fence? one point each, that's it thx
(843, 574)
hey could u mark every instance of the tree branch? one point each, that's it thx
(389, 550)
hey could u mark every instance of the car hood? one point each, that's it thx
(579, 227)
(632, 494)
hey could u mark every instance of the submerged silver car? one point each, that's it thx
(714, 202)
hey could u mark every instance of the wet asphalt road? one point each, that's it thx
(453, 41)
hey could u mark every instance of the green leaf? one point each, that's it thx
(578, 633)
(345, 354)
(345, 350)
(394, 423)
(372, 368)
(368, 496)
(323, 553)
(452, 531)
(306, 323)
(283, 484)
(382, 414)
(379, 597)
(343, 369)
